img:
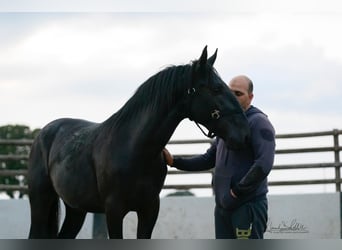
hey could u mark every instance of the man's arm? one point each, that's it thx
(263, 142)
(196, 163)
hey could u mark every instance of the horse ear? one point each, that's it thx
(211, 60)
(203, 59)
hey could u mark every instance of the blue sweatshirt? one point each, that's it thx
(244, 171)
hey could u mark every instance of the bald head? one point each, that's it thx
(242, 80)
(242, 87)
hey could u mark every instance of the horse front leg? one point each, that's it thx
(114, 218)
(147, 217)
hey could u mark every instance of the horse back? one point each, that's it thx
(54, 137)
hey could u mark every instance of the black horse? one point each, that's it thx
(117, 166)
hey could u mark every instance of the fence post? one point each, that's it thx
(337, 160)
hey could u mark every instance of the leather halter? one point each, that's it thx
(215, 115)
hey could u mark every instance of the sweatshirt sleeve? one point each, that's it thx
(205, 161)
(263, 144)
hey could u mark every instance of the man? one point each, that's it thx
(240, 177)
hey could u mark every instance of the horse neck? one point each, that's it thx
(160, 131)
(146, 130)
(148, 120)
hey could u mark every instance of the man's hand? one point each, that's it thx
(168, 157)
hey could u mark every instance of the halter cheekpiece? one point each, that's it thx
(215, 115)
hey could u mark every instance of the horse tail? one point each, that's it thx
(44, 201)
(54, 218)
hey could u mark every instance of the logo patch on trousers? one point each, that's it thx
(243, 234)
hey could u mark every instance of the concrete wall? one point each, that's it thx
(15, 220)
(309, 216)
(314, 216)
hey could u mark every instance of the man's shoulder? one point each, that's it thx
(254, 112)
(257, 118)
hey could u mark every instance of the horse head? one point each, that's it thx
(212, 104)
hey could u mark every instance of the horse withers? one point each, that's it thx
(117, 166)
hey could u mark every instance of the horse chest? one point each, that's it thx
(141, 184)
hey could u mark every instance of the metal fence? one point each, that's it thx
(332, 147)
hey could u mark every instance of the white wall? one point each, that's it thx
(315, 216)
(15, 220)
(307, 216)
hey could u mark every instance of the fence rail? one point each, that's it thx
(335, 148)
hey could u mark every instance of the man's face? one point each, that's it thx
(240, 89)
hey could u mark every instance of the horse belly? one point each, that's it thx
(78, 189)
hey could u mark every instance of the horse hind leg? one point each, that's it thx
(72, 224)
(44, 202)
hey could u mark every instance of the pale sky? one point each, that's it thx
(88, 64)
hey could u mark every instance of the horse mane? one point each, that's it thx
(159, 93)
